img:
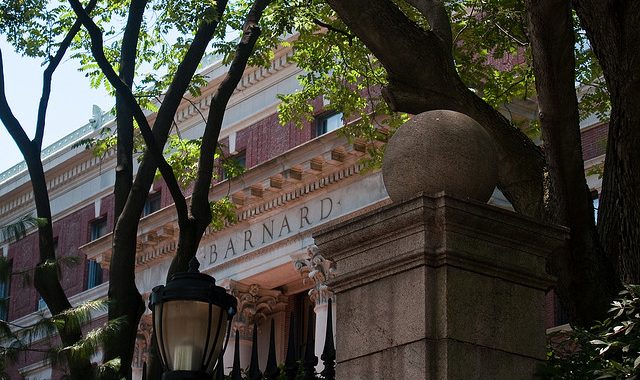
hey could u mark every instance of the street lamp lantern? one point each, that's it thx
(190, 317)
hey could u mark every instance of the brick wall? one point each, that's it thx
(26, 358)
(72, 231)
(267, 139)
(594, 141)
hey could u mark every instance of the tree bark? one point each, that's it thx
(422, 77)
(123, 292)
(124, 116)
(46, 278)
(586, 278)
(127, 301)
(200, 211)
(612, 29)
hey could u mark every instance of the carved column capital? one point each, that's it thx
(143, 341)
(315, 267)
(255, 305)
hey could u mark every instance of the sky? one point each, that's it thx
(70, 105)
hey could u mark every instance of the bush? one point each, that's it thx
(608, 350)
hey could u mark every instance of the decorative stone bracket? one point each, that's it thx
(255, 305)
(315, 267)
(143, 341)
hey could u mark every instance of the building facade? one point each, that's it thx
(296, 180)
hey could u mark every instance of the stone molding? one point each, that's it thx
(320, 270)
(143, 342)
(250, 78)
(255, 305)
(440, 281)
(423, 222)
(158, 235)
(66, 177)
(56, 184)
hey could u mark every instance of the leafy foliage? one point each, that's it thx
(166, 34)
(608, 350)
(34, 27)
(99, 146)
(20, 228)
(222, 212)
(594, 95)
(491, 49)
(338, 71)
(38, 336)
(183, 155)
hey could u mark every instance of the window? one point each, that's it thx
(42, 372)
(98, 228)
(234, 165)
(94, 274)
(596, 203)
(41, 305)
(152, 204)
(302, 311)
(4, 286)
(328, 122)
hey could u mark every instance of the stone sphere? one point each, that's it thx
(440, 151)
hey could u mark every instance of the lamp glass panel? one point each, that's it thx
(184, 332)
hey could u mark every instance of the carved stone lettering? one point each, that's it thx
(231, 248)
(247, 239)
(213, 254)
(285, 223)
(304, 216)
(326, 206)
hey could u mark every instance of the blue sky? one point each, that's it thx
(69, 107)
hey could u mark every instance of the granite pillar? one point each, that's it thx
(439, 288)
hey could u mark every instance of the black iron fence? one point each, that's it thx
(297, 366)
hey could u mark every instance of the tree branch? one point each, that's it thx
(122, 89)
(437, 16)
(251, 33)
(48, 74)
(124, 116)
(332, 28)
(8, 118)
(393, 38)
(432, 82)
(200, 199)
(172, 99)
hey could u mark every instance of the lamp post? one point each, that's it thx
(190, 316)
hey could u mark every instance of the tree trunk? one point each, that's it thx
(586, 278)
(422, 77)
(126, 299)
(612, 29)
(46, 279)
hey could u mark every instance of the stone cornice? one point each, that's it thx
(251, 78)
(59, 180)
(81, 166)
(442, 224)
(265, 188)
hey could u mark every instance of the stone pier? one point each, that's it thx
(435, 287)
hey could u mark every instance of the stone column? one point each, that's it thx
(439, 288)
(255, 306)
(142, 344)
(315, 267)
